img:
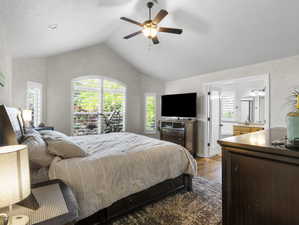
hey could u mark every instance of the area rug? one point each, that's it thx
(202, 206)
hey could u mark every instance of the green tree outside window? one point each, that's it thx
(150, 114)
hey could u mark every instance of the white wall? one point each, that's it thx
(24, 70)
(284, 77)
(96, 60)
(5, 65)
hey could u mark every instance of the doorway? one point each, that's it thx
(233, 103)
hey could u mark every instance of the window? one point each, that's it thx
(34, 101)
(228, 105)
(94, 99)
(150, 113)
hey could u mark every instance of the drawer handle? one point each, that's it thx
(236, 169)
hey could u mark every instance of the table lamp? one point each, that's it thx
(15, 180)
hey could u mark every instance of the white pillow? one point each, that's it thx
(64, 147)
(37, 148)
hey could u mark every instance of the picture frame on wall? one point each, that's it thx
(2, 79)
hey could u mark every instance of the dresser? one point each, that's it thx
(260, 181)
(181, 132)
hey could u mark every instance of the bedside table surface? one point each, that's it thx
(71, 204)
(57, 205)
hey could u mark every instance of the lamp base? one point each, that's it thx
(19, 220)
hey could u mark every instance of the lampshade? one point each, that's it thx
(27, 115)
(14, 174)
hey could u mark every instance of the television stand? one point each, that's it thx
(180, 131)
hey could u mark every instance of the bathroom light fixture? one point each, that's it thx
(52, 27)
(256, 92)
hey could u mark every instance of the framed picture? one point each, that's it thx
(2, 79)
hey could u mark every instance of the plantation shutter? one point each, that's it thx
(34, 101)
(150, 113)
(228, 105)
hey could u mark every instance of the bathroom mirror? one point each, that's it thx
(253, 109)
(247, 110)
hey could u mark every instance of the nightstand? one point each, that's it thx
(43, 128)
(58, 205)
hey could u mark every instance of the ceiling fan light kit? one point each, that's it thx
(150, 27)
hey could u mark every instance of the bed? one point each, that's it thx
(121, 173)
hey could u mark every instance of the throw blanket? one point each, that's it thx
(119, 165)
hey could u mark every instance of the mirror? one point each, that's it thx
(247, 110)
(253, 107)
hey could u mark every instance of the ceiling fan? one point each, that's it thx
(150, 27)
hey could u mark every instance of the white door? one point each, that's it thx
(214, 120)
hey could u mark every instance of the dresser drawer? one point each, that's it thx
(174, 133)
(239, 130)
(236, 133)
(245, 129)
(173, 139)
(255, 129)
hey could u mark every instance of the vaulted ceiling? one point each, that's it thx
(217, 34)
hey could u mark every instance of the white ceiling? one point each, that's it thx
(217, 34)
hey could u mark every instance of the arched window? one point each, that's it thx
(93, 100)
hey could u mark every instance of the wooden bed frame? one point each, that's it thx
(11, 134)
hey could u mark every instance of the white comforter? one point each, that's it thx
(118, 165)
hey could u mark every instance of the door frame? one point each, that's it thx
(209, 117)
(208, 85)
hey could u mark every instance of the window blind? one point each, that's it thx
(228, 105)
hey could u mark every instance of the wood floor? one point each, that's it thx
(210, 168)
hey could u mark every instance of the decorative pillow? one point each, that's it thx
(64, 147)
(52, 134)
(37, 148)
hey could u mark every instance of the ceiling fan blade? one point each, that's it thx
(160, 16)
(170, 30)
(131, 21)
(155, 40)
(133, 35)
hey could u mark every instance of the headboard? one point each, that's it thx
(11, 126)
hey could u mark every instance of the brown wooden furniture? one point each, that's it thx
(245, 129)
(182, 132)
(119, 208)
(260, 181)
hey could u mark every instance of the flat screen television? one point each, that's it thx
(179, 105)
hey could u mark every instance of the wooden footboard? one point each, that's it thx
(138, 200)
